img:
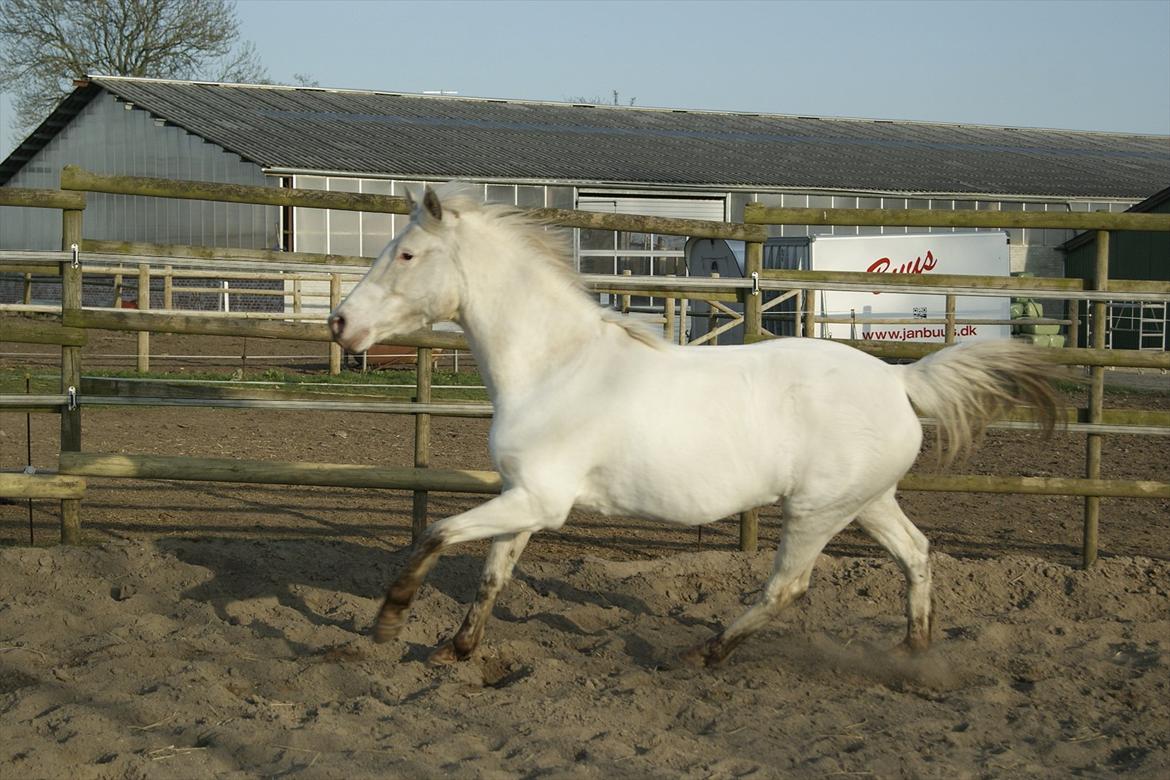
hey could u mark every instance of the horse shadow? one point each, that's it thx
(283, 569)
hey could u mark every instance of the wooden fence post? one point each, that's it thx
(143, 305)
(810, 313)
(1073, 308)
(1096, 403)
(71, 365)
(949, 332)
(169, 287)
(422, 440)
(334, 302)
(668, 317)
(712, 318)
(753, 312)
(749, 530)
(753, 330)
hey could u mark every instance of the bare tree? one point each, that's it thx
(45, 44)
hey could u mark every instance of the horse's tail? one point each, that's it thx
(969, 385)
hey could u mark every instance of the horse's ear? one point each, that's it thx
(431, 203)
(410, 202)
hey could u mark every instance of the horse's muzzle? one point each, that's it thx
(336, 326)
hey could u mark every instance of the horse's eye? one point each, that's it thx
(405, 256)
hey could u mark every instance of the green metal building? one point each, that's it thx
(1132, 255)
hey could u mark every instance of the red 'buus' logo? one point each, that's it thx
(919, 265)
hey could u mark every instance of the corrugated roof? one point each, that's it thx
(421, 136)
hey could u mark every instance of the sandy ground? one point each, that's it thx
(220, 630)
(247, 658)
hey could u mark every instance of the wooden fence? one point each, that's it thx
(1094, 420)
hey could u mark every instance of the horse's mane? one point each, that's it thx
(547, 241)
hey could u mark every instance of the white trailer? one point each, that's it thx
(983, 254)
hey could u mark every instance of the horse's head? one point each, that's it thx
(413, 282)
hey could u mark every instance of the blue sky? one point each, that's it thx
(1083, 65)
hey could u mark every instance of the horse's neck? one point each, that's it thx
(523, 322)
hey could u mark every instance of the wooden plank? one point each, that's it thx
(1020, 283)
(636, 223)
(41, 486)
(757, 214)
(693, 293)
(18, 403)
(1142, 417)
(1037, 486)
(112, 387)
(277, 473)
(161, 322)
(33, 330)
(142, 249)
(36, 269)
(75, 178)
(487, 482)
(41, 199)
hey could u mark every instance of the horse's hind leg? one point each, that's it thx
(885, 521)
(497, 570)
(801, 541)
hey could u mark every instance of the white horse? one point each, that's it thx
(595, 412)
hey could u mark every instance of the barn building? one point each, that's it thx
(700, 164)
(1132, 255)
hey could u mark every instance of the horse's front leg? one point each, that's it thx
(497, 570)
(516, 511)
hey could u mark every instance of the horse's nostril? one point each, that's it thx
(336, 325)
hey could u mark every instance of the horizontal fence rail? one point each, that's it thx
(939, 284)
(93, 464)
(179, 254)
(41, 199)
(57, 486)
(756, 214)
(197, 324)
(466, 481)
(74, 178)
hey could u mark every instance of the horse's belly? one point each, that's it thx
(682, 496)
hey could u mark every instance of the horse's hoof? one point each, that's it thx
(911, 648)
(388, 625)
(704, 655)
(445, 655)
